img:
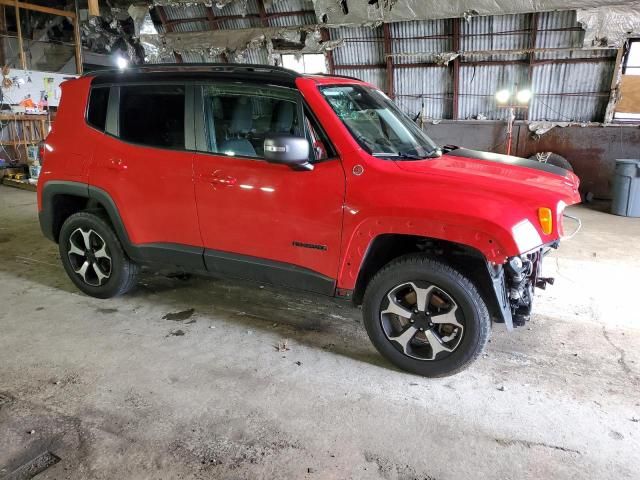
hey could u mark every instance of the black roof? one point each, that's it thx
(198, 71)
(189, 71)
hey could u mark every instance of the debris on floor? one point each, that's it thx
(179, 316)
(283, 345)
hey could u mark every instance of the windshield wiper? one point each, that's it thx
(436, 152)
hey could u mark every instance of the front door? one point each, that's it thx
(260, 220)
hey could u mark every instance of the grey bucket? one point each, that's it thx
(626, 188)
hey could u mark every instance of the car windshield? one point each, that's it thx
(377, 123)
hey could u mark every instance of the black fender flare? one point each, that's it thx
(46, 216)
(82, 190)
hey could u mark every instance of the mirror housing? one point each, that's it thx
(289, 150)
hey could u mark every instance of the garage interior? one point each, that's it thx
(193, 377)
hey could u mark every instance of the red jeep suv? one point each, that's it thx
(313, 182)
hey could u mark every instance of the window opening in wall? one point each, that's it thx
(305, 63)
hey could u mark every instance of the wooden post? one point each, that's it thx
(23, 59)
(78, 44)
(3, 32)
(94, 8)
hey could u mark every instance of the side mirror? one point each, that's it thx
(288, 149)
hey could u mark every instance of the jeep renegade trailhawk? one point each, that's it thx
(312, 182)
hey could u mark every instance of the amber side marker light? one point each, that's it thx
(546, 220)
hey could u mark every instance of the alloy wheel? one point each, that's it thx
(422, 320)
(89, 256)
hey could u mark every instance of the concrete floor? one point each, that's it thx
(116, 389)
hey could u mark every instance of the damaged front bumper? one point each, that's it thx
(514, 284)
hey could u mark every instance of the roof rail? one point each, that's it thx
(202, 67)
(336, 75)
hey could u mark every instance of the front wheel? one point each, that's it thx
(425, 317)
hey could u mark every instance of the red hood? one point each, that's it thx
(512, 176)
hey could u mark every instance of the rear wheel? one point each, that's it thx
(93, 257)
(425, 317)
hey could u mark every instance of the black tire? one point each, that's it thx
(419, 268)
(123, 272)
(553, 159)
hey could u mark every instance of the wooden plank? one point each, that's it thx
(10, 182)
(629, 94)
(94, 8)
(39, 8)
(78, 45)
(23, 59)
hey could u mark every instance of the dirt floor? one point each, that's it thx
(183, 378)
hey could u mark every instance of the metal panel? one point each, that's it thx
(571, 92)
(237, 8)
(479, 84)
(278, 6)
(374, 76)
(295, 20)
(252, 55)
(427, 90)
(195, 57)
(500, 32)
(409, 39)
(362, 46)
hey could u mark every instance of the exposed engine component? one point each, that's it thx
(522, 275)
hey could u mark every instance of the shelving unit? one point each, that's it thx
(18, 132)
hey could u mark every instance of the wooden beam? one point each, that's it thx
(3, 33)
(38, 8)
(94, 8)
(77, 37)
(78, 44)
(23, 59)
(615, 85)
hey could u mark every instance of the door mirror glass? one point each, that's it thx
(288, 149)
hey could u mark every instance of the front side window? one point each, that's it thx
(239, 117)
(377, 124)
(152, 115)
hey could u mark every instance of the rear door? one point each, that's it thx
(262, 220)
(143, 164)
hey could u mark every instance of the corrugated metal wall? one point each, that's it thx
(568, 83)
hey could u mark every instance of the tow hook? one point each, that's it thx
(542, 282)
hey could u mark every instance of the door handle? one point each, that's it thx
(116, 164)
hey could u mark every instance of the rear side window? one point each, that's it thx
(152, 115)
(97, 111)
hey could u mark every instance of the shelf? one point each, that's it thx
(23, 184)
(20, 142)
